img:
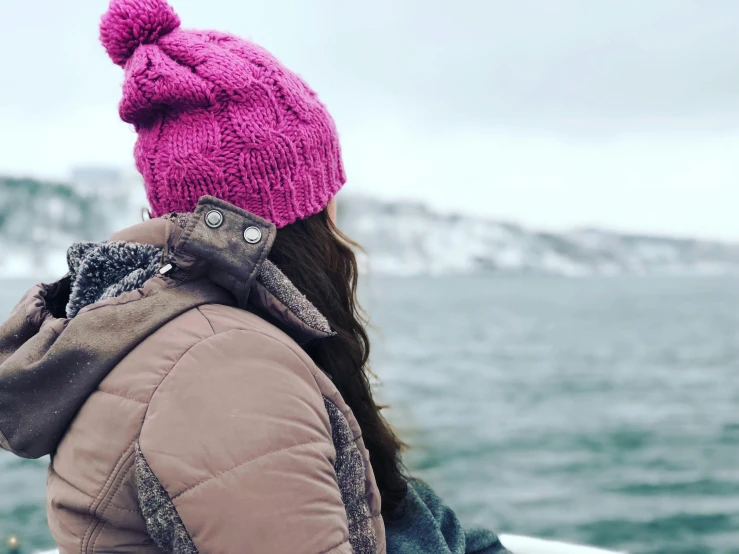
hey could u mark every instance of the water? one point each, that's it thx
(603, 411)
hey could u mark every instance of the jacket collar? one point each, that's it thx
(193, 248)
(220, 252)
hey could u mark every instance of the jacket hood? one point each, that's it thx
(51, 363)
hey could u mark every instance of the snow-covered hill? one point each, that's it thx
(39, 220)
(410, 239)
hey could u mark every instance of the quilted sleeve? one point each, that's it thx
(236, 453)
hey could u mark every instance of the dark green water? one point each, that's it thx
(602, 411)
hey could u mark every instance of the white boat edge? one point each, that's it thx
(518, 544)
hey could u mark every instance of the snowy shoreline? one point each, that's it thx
(399, 238)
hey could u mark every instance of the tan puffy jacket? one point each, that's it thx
(178, 419)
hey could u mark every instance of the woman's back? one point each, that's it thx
(215, 426)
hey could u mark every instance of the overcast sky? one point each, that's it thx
(554, 113)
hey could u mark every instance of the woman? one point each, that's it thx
(200, 379)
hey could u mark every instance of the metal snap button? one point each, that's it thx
(214, 219)
(252, 235)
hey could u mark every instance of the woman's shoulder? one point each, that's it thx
(229, 327)
(223, 319)
(233, 373)
(224, 325)
(213, 357)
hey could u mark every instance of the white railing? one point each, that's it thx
(529, 545)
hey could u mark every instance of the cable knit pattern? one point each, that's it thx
(218, 115)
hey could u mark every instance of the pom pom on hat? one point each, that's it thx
(130, 23)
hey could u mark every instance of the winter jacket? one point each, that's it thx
(164, 375)
(177, 420)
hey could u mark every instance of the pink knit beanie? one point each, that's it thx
(219, 115)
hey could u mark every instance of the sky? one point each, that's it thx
(556, 115)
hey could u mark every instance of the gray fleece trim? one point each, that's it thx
(163, 523)
(350, 475)
(276, 282)
(107, 269)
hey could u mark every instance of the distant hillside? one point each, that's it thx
(39, 220)
(409, 239)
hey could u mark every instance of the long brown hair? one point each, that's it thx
(319, 260)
